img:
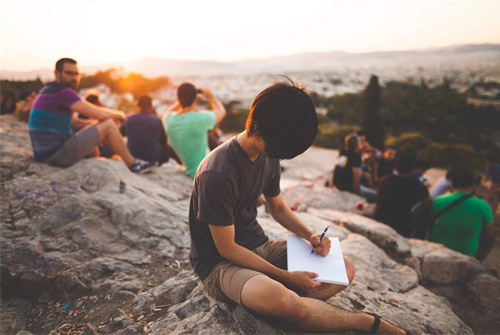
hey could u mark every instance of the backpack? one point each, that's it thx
(422, 221)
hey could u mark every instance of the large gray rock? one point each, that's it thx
(309, 194)
(119, 260)
(382, 235)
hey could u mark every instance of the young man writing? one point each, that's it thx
(230, 252)
(52, 121)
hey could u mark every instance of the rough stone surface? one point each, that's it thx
(77, 255)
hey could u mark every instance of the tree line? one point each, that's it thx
(435, 124)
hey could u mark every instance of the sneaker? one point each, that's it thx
(142, 167)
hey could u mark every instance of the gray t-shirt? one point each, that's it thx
(226, 188)
(442, 186)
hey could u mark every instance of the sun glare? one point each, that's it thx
(122, 31)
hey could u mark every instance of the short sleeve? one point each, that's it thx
(273, 188)
(207, 119)
(356, 160)
(216, 199)
(488, 214)
(67, 97)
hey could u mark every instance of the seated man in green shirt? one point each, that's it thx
(187, 128)
(468, 226)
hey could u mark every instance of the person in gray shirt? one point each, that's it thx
(442, 186)
(230, 252)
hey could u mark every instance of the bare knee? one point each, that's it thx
(105, 127)
(268, 297)
(289, 307)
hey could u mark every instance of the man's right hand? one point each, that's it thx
(120, 116)
(301, 282)
(207, 93)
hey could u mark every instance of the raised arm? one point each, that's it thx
(284, 216)
(224, 241)
(174, 107)
(217, 105)
(95, 112)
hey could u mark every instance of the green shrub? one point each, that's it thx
(331, 138)
(408, 144)
(449, 156)
(235, 120)
(453, 156)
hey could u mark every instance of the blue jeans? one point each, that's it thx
(369, 194)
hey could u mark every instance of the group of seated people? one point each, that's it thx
(22, 108)
(448, 215)
(65, 128)
(226, 238)
(61, 137)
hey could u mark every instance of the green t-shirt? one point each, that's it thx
(187, 133)
(460, 227)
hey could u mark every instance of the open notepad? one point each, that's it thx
(330, 269)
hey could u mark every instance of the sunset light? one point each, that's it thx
(98, 32)
(249, 166)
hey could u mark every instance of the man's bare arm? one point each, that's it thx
(217, 106)
(174, 107)
(95, 112)
(78, 124)
(284, 216)
(224, 241)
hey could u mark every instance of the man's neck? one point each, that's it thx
(187, 109)
(57, 81)
(248, 145)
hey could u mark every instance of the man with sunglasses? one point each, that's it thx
(53, 120)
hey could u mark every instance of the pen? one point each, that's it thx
(320, 238)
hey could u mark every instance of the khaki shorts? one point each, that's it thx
(225, 282)
(76, 147)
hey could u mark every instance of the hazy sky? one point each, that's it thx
(34, 34)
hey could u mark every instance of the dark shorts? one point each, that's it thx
(226, 280)
(76, 148)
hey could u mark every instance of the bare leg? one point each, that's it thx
(111, 136)
(326, 291)
(303, 314)
(94, 153)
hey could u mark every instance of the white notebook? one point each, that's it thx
(330, 269)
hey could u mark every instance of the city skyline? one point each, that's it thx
(98, 32)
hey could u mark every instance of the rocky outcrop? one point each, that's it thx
(80, 253)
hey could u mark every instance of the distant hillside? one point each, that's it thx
(488, 54)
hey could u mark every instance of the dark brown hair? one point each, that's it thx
(285, 117)
(186, 93)
(60, 63)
